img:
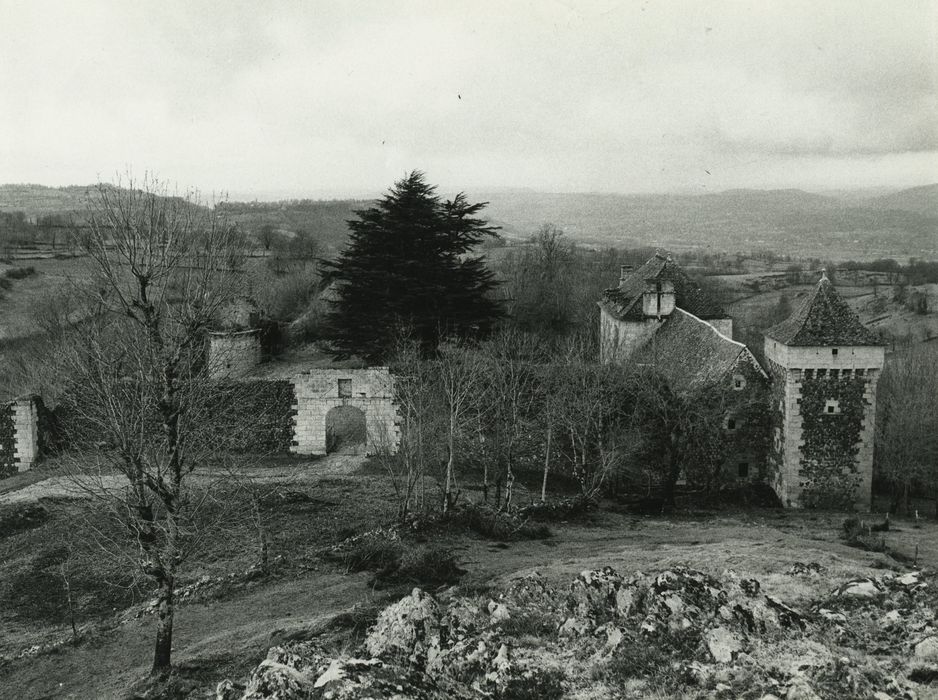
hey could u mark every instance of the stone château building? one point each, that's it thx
(805, 426)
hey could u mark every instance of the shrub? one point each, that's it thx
(561, 509)
(497, 524)
(425, 566)
(5, 283)
(531, 623)
(18, 273)
(541, 684)
(22, 516)
(375, 550)
(860, 535)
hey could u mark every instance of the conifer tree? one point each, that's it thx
(409, 267)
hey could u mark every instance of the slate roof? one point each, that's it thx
(625, 301)
(691, 354)
(824, 318)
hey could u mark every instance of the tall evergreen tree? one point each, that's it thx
(409, 265)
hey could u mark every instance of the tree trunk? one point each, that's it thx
(546, 467)
(162, 654)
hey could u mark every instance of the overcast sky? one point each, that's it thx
(296, 98)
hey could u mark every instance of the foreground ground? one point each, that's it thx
(224, 631)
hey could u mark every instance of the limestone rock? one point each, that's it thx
(800, 568)
(860, 589)
(498, 613)
(273, 680)
(408, 629)
(801, 689)
(927, 649)
(723, 644)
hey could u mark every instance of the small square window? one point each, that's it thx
(731, 424)
(834, 352)
(742, 470)
(345, 388)
(739, 382)
(832, 407)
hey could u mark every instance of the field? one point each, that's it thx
(225, 630)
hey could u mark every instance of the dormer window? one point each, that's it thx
(658, 299)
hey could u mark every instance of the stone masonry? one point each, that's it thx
(320, 390)
(25, 433)
(824, 423)
(232, 354)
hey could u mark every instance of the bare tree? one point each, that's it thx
(907, 423)
(460, 371)
(161, 269)
(513, 378)
(419, 402)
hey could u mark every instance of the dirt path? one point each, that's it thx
(58, 486)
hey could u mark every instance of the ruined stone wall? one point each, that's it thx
(19, 436)
(370, 390)
(234, 354)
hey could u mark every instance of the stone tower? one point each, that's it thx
(824, 366)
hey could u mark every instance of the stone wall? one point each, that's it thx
(746, 443)
(723, 325)
(619, 339)
(232, 354)
(19, 436)
(320, 390)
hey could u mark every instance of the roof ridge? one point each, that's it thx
(743, 348)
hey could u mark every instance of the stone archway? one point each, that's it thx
(320, 391)
(346, 430)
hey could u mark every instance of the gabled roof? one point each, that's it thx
(691, 354)
(824, 318)
(625, 301)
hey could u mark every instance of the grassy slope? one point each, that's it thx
(229, 635)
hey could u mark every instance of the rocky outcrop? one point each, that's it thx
(712, 636)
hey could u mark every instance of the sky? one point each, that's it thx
(291, 99)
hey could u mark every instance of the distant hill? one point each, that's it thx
(838, 226)
(784, 221)
(923, 200)
(39, 200)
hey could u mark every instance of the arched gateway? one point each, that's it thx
(319, 391)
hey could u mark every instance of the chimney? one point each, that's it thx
(624, 272)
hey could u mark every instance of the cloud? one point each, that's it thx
(556, 95)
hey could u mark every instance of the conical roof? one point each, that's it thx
(823, 319)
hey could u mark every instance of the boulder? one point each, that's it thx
(498, 613)
(863, 589)
(408, 629)
(927, 649)
(273, 680)
(723, 644)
